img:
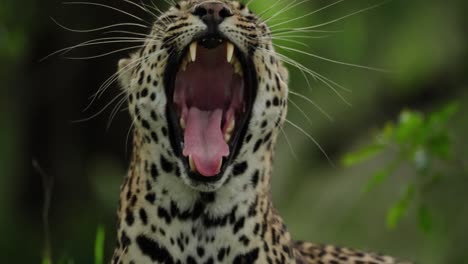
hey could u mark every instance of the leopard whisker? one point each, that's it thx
(106, 6)
(141, 7)
(317, 75)
(169, 2)
(126, 32)
(289, 143)
(249, 2)
(132, 65)
(291, 40)
(96, 29)
(164, 20)
(302, 29)
(306, 15)
(347, 16)
(329, 83)
(304, 70)
(331, 60)
(311, 138)
(109, 40)
(98, 41)
(277, 12)
(155, 8)
(100, 111)
(329, 117)
(114, 77)
(300, 110)
(288, 7)
(107, 83)
(104, 54)
(298, 36)
(67, 50)
(269, 8)
(115, 111)
(130, 129)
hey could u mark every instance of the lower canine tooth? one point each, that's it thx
(231, 126)
(220, 165)
(238, 68)
(227, 137)
(192, 164)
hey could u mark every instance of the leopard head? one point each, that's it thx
(207, 90)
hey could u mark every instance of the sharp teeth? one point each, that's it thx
(182, 123)
(230, 51)
(227, 137)
(193, 51)
(192, 164)
(184, 65)
(231, 126)
(237, 67)
(220, 165)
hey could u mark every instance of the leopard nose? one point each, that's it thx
(212, 13)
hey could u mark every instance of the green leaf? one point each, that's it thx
(432, 182)
(99, 246)
(443, 115)
(425, 219)
(398, 210)
(388, 131)
(440, 145)
(379, 177)
(46, 261)
(64, 259)
(363, 154)
(411, 128)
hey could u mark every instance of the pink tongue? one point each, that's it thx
(204, 140)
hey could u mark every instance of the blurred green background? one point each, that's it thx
(422, 43)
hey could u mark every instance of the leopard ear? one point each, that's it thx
(125, 74)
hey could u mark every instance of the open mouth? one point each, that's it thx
(211, 88)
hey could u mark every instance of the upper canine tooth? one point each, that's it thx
(230, 51)
(193, 51)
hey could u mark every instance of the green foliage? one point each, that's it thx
(423, 142)
(401, 206)
(99, 246)
(362, 154)
(46, 260)
(98, 250)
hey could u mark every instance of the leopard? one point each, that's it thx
(207, 94)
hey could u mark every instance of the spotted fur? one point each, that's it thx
(166, 217)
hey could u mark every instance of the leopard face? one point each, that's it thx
(207, 90)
